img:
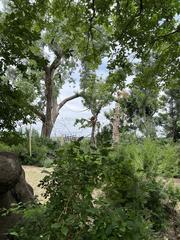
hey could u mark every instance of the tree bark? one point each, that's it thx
(93, 130)
(49, 122)
(116, 121)
(174, 121)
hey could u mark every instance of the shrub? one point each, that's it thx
(12, 138)
(169, 166)
(132, 205)
(4, 147)
(43, 149)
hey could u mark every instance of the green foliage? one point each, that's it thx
(169, 166)
(104, 194)
(169, 117)
(43, 149)
(84, 32)
(105, 136)
(12, 99)
(138, 110)
(34, 219)
(133, 204)
(12, 138)
(131, 181)
(4, 147)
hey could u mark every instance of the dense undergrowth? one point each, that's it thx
(106, 193)
(163, 156)
(43, 150)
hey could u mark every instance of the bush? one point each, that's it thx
(12, 138)
(169, 166)
(4, 147)
(132, 203)
(43, 149)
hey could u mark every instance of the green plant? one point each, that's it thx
(4, 147)
(12, 138)
(43, 150)
(130, 204)
(34, 223)
(169, 166)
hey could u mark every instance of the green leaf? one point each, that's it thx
(64, 230)
(55, 226)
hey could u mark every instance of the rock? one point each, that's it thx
(10, 171)
(6, 199)
(13, 189)
(6, 223)
(22, 190)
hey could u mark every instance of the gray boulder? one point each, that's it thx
(10, 171)
(13, 189)
(22, 190)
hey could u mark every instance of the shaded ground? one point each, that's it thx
(33, 176)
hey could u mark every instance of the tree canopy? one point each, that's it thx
(45, 41)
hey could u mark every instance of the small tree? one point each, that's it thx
(96, 93)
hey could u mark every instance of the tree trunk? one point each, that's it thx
(47, 123)
(46, 129)
(52, 107)
(173, 120)
(93, 130)
(51, 115)
(116, 121)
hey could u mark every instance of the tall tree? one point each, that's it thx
(64, 36)
(118, 115)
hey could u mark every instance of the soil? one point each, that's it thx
(33, 176)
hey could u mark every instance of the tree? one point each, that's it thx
(85, 30)
(169, 115)
(140, 108)
(145, 26)
(118, 116)
(96, 93)
(60, 32)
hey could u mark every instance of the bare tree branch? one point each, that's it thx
(141, 6)
(39, 113)
(61, 104)
(55, 63)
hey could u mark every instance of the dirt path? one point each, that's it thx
(33, 176)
